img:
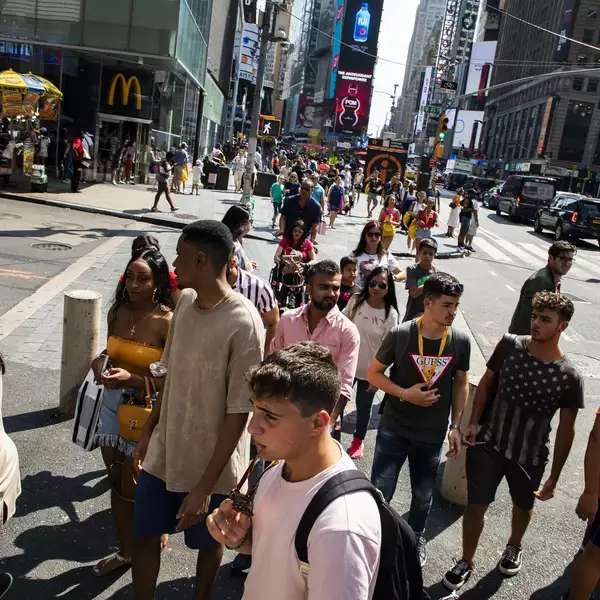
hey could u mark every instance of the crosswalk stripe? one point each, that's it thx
(515, 251)
(491, 250)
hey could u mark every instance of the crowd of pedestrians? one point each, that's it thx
(221, 368)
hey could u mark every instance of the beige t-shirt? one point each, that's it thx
(208, 353)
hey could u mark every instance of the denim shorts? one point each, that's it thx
(107, 433)
(156, 513)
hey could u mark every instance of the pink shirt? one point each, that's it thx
(335, 331)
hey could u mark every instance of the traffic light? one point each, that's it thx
(442, 129)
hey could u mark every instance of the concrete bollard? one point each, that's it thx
(453, 486)
(81, 332)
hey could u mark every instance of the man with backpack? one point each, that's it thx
(318, 528)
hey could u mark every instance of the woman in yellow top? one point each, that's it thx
(138, 324)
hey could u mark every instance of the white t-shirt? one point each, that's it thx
(372, 324)
(367, 262)
(44, 143)
(196, 173)
(343, 546)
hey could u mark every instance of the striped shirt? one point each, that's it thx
(257, 290)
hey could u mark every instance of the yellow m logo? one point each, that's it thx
(125, 90)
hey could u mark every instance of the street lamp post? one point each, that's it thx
(265, 38)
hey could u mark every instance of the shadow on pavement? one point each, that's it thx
(80, 542)
(45, 490)
(556, 589)
(33, 420)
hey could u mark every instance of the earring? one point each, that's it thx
(154, 296)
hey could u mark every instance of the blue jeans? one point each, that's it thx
(391, 451)
(364, 402)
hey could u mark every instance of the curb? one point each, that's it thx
(145, 218)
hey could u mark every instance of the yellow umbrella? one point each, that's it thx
(27, 83)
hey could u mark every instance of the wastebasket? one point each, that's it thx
(264, 181)
(222, 178)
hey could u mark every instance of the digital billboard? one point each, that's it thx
(352, 102)
(360, 33)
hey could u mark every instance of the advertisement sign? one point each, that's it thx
(306, 111)
(566, 30)
(250, 11)
(352, 101)
(389, 159)
(425, 88)
(541, 145)
(463, 128)
(482, 56)
(360, 33)
(337, 44)
(127, 93)
(249, 53)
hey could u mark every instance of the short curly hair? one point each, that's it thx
(555, 302)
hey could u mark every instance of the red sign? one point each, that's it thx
(352, 101)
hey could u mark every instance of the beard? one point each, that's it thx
(324, 305)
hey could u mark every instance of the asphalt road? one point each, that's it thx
(63, 525)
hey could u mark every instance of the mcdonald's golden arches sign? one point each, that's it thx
(127, 93)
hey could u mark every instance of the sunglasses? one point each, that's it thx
(380, 285)
(374, 234)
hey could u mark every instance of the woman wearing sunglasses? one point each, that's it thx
(370, 253)
(374, 311)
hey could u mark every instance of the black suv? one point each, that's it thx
(523, 195)
(570, 215)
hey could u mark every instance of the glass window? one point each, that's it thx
(592, 86)
(578, 83)
(154, 26)
(537, 190)
(591, 209)
(17, 19)
(191, 45)
(59, 21)
(106, 23)
(575, 131)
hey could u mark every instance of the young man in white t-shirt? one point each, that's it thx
(294, 391)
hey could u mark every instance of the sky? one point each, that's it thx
(394, 38)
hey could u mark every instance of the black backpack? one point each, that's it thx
(399, 576)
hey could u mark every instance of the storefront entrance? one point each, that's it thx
(113, 132)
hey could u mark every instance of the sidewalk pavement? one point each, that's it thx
(134, 201)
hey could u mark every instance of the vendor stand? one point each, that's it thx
(25, 100)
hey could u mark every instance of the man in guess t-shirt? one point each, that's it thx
(428, 383)
(527, 380)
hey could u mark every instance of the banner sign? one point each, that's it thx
(127, 93)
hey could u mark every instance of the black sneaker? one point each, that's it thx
(458, 575)
(6, 582)
(422, 550)
(511, 561)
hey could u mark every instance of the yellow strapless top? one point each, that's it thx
(131, 355)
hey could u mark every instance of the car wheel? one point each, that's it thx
(537, 225)
(512, 215)
(558, 232)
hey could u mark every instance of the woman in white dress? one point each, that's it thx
(454, 212)
(10, 481)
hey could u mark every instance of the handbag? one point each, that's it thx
(388, 229)
(132, 417)
(407, 219)
(87, 411)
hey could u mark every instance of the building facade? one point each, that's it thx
(546, 124)
(129, 69)
(421, 53)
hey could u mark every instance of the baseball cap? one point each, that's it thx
(429, 242)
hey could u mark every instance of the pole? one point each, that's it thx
(81, 335)
(265, 34)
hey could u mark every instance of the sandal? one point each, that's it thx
(111, 563)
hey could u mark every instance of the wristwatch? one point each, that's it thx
(454, 426)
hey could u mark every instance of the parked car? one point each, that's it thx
(570, 216)
(491, 197)
(523, 195)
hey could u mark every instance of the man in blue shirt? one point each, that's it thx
(304, 208)
(318, 193)
(180, 161)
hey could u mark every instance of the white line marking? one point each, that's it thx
(494, 273)
(516, 251)
(484, 339)
(491, 250)
(509, 287)
(18, 314)
(490, 233)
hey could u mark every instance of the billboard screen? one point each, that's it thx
(352, 102)
(482, 55)
(359, 35)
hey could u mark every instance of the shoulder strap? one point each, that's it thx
(339, 485)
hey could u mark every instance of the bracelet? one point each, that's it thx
(244, 540)
(453, 426)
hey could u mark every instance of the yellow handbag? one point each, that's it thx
(407, 218)
(133, 417)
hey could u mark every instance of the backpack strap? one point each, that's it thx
(346, 482)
